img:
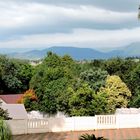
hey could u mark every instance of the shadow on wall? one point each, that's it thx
(56, 124)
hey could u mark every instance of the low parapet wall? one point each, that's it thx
(74, 124)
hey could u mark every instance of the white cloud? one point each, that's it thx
(32, 24)
(79, 37)
(15, 15)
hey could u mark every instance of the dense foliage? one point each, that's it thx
(5, 132)
(117, 93)
(14, 75)
(29, 100)
(77, 88)
(4, 114)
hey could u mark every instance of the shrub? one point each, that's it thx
(5, 132)
(90, 137)
(29, 99)
(4, 114)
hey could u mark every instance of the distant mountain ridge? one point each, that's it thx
(76, 53)
(80, 53)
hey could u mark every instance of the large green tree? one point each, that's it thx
(122, 68)
(51, 79)
(14, 75)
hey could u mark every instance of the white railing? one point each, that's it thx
(37, 124)
(106, 121)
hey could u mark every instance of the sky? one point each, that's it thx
(99, 24)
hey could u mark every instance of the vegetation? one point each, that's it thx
(117, 93)
(90, 137)
(14, 75)
(82, 88)
(4, 114)
(5, 133)
(29, 100)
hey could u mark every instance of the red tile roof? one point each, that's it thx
(11, 99)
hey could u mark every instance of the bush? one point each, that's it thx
(90, 137)
(4, 114)
(5, 132)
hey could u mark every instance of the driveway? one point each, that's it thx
(114, 134)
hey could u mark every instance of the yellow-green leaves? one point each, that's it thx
(117, 93)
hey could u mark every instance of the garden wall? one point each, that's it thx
(74, 124)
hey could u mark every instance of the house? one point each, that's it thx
(16, 111)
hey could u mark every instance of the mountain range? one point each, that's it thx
(131, 50)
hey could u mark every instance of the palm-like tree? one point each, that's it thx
(90, 137)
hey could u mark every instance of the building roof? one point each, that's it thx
(16, 111)
(11, 99)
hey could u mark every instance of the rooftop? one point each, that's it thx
(16, 111)
(11, 99)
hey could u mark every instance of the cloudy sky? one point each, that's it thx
(81, 23)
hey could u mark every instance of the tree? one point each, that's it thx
(135, 80)
(51, 79)
(84, 102)
(25, 73)
(94, 77)
(117, 93)
(134, 85)
(14, 75)
(121, 68)
(135, 101)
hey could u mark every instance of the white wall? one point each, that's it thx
(18, 126)
(128, 121)
(74, 124)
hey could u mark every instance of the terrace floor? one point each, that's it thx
(114, 134)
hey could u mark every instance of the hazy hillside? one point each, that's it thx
(79, 53)
(76, 53)
(132, 50)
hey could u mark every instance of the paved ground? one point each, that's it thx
(116, 134)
